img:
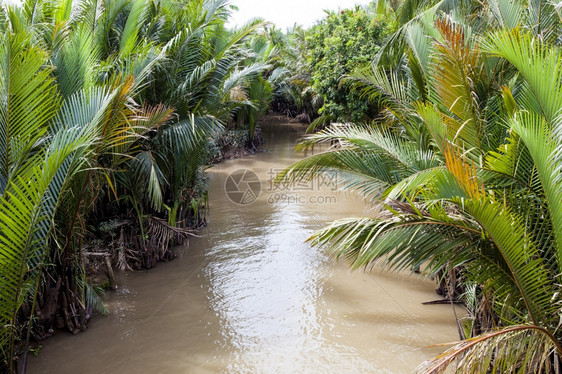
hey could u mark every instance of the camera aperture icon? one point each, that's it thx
(242, 186)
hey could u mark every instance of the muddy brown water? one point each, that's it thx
(250, 296)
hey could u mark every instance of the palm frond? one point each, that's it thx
(75, 63)
(521, 348)
(137, 17)
(457, 65)
(508, 13)
(402, 242)
(536, 134)
(28, 100)
(534, 59)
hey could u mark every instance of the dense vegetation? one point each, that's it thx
(312, 63)
(109, 111)
(465, 159)
(446, 114)
(336, 46)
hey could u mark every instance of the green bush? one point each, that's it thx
(337, 45)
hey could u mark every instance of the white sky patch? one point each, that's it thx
(285, 13)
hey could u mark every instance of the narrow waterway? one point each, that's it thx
(249, 296)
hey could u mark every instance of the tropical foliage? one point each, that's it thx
(110, 109)
(336, 46)
(106, 111)
(313, 61)
(293, 94)
(465, 163)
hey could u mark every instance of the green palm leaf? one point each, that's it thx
(28, 100)
(535, 60)
(521, 349)
(26, 210)
(537, 136)
(527, 269)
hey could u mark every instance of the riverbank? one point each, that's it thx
(108, 253)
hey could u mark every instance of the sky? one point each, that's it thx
(284, 13)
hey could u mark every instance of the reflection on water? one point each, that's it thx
(260, 287)
(250, 296)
